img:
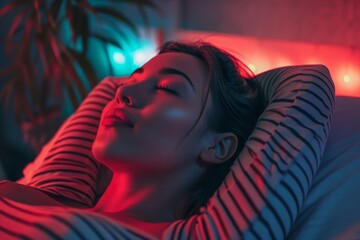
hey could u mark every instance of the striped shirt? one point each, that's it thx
(260, 198)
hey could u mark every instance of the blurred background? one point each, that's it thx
(53, 52)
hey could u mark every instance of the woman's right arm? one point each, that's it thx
(25, 194)
(267, 184)
(66, 168)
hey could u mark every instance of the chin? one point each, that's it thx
(101, 150)
(107, 154)
(97, 151)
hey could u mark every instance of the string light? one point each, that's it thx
(346, 79)
(252, 67)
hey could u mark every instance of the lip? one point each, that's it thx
(117, 116)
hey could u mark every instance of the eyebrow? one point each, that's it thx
(138, 70)
(177, 72)
(165, 71)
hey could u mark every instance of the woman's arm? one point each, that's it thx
(21, 217)
(66, 168)
(264, 191)
(25, 194)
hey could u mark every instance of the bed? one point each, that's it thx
(298, 176)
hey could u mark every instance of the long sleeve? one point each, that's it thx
(264, 191)
(66, 167)
(26, 221)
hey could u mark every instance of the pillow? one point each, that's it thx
(331, 209)
(266, 187)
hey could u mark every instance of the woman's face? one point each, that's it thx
(159, 117)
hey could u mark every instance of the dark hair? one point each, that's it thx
(237, 104)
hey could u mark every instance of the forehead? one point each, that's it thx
(188, 64)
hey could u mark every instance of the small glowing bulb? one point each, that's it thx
(139, 57)
(252, 67)
(119, 58)
(346, 78)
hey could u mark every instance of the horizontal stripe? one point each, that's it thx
(259, 201)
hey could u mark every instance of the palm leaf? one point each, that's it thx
(55, 9)
(118, 30)
(105, 39)
(41, 47)
(13, 29)
(70, 18)
(72, 94)
(39, 22)
(25, 78)
(21, 105)
(86, 67)
(144, 16)
(111, 12)
(76, 79)
(81, 26)
(44, 94)
(55, 45)
(11, 6)
(147, 3)
(111, 70)
(84, 4)
(8, 70)
(7, 92)
(28, 30)
(37, 6)
(141, 5)
(84, 32)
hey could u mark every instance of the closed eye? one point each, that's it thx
(166, 88)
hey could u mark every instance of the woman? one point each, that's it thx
(170, 136)
(173, 130)
(187, 113)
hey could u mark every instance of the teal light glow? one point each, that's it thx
(119, 58)
(124, 61)
(132, 53)
(142, 55)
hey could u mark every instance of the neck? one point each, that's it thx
(152, 198)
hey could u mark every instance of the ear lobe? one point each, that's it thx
(208, 154)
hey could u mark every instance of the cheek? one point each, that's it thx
(170, 123)
(163, 128)
(177, 116)
(161, 132)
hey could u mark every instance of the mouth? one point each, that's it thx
(115, 117)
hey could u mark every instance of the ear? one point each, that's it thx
(222, 149)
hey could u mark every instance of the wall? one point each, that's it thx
(329, 21)
(273, 33)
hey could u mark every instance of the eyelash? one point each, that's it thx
(160, 86)
(166, 88)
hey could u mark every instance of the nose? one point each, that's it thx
(122, 96)
(129, 94)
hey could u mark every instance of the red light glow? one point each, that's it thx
(264, 54)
